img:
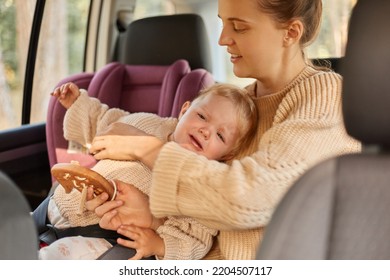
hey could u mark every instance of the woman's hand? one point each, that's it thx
(113, 147)
(142, 148)
(144, 240)
(130, 206)
(104, 146)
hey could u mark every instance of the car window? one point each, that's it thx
(148, 8)
(61, 50)
(13, 55)
(332, 38)
(60, 53)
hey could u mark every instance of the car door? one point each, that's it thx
(40, 43)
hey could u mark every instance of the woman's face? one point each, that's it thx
(253, 39)
(208, 127)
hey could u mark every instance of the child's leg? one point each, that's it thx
(75, 248)
(55, 217)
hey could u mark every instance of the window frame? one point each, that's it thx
(31, 59)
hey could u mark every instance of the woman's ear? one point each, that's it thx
(184, 108)
(294, 32)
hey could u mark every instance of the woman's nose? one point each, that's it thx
(225, 39)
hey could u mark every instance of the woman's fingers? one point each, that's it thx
(108, 206)
(92, 204)
(107, 147)
(110, 221)
(96, 145)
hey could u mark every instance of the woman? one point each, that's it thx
(301, 124)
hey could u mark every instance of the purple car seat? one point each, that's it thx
(160, 89)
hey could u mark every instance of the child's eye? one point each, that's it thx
(201, 116)
(220, 136)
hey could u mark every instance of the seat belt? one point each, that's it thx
(119, 252)
(47, 233)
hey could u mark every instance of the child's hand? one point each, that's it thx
(144, 240)
(66, 94)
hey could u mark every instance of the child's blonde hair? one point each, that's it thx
(247, 115)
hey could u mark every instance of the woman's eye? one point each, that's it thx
(238, 28)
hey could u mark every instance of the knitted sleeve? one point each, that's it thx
(87, 116)
(185, 238)
(307, 129)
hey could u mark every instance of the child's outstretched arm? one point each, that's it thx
(66, 94)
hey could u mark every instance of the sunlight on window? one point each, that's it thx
(60, 53)
(332, 38)
(148, 8)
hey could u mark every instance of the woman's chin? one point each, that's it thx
(240, 73)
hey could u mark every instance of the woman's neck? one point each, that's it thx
(280, 79)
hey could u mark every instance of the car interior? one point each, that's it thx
(326, 215)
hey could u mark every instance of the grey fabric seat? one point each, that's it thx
(17, 229)
(340, 209)
(161, 40)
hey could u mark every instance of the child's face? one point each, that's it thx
(208, 127)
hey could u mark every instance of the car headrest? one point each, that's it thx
(366, 72)
(161, 40)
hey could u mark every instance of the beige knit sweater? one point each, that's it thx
(184, 238)
(300, 126)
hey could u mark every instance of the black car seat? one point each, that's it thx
(161, 40)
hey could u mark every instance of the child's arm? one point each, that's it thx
(185, 238)
(87, 116)
(66, 94)
(182, 239)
